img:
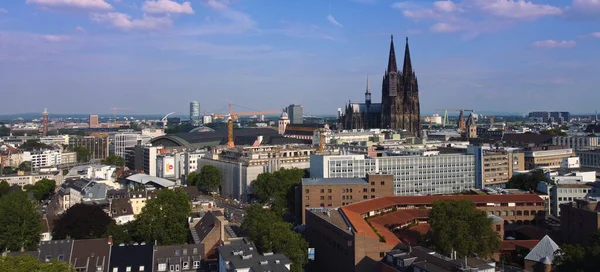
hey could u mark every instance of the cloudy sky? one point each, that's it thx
(154, 56)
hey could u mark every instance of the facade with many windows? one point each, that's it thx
(426, 174)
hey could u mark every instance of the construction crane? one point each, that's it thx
(461, 123)
(115, 113)
(233, 116)
(492, 122)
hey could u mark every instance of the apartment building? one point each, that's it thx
(242, 255)
(495, 167)
(96, 144)
(589, 158)
(242, 165)
(43, 158)
(547, 156)
(337, 192)
(580, 220)
(344, 234)
(422, 173)
(21, 179)
(576, 142)
(124, 139)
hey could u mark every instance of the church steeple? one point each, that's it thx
(407, 67)
(392, 66)
(368, 93)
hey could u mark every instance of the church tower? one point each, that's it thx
(400, 95)
(368, 93)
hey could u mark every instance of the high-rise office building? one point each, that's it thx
(195, 113)
(295, 113)
(94, 120)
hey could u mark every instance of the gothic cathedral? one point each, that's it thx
(399, 108)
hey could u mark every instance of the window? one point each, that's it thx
(115, 269)
(329, 197)
(306, 197)
(128, 269)
(162, 267)
(99, 268)
(372, 190)
(176, 267)
(186, 265)
(498, 227)
(141, 268)
(185, 251)
(322, 197)
(176, 252)
(372, 182)
(196, 264)
(171, 268)
(322, 191)
(195, 250)
(61, 257)
(306, 191)
(383, 183)
(329, 190)
(47, 259)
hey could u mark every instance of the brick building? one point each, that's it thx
(580, 220)
(344, 234)
(337, 192)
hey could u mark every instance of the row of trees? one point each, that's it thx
(527, 181)
(114, 160)
(163, 219)
(208, 179)
(26, 263)
(20, 222)
(579, 258)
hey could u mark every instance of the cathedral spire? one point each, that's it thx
(368, 86)
(407, 67)
(392, 66)
(368, 93)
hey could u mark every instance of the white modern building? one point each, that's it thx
(124, 139)
(576, 142)
(426, 174)
(43, 158)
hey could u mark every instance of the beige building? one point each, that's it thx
(548, 156)
(498, 166)
(241, 165)
(21, 179)
(94, 121)
(68, 158)
(576, 142)
(337, 192)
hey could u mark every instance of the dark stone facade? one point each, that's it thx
(399, 108)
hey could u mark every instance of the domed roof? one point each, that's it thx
(201, 129)
(284, 115)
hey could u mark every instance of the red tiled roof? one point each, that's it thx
(400, 217)
(358, 223)
(390, 201)
(411, 236)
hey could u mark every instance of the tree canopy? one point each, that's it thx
(277, 188)
(114, 160)
(554, 131)
(41, 189)
(32, 144)
(579, 258)
(210, 178)
(25, 166)
(4, 188)
(164, 219)
(20, 223)
(27, 263)
(83, 154)
(271, 234)
(457, 225)
(81, 221)
(527, 181)
(192, 179)
(4, 131)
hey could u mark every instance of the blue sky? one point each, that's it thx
(87, 56)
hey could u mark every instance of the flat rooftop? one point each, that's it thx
(333, 181)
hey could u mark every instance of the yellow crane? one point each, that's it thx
(233, 116)
(115, 113)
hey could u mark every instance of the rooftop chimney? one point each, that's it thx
(110, 241)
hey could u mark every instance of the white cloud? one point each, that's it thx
(80, 28)
(236, 21)
(553, 44)
(583, 9)
(3, 11)
(77, 4)
(405, 5)
(595, 34)
(445, 27)
(445, 6)
(167, 6)
(125, 22)
(333, 21)
(55, 38)
(515, 9)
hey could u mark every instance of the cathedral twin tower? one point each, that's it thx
(399, 108)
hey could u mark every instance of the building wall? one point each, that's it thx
(498, 167)
(578, 225)
(337, 195)
(96, 145)
(589, 158)
(69, 157)
(546, 158)
(561, 194)
(334, 248)
(22, 180)
(576, 142)
(439, 174)
(296, 114)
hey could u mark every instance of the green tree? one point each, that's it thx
(458, 225)
(32, 144)
(209, 179)
(121, 234)
(579, 258)
(271, 234)
(528, 181)
(27, 263)
(164, 219)
(277, 188)
(4, 188)
(41, 189)
(4, 131)
(114, 160)
(192, 179)
(81, 221)
(83, 154)
(19, 222)
(25, 166)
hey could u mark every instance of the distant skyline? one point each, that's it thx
(88, 56)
